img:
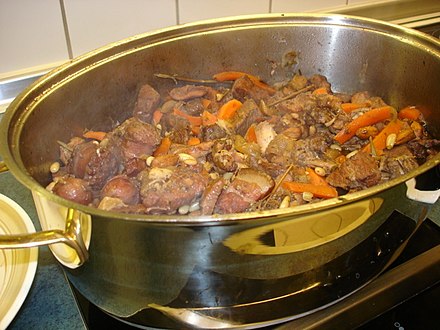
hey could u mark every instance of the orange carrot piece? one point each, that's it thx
(349, 107)
(194, 120)
(208, 118)
(234, 75)
(157, 115)
(163, 147)
(250, 135)
(195, 129)
(206, 103)
(95, 135)
(192, 141)
(371, 117)
(411, 113)
(320, 91)
(228, 110)
(315, 179)
(380, 140)
(317, 191)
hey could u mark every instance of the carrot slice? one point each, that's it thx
(95, 135)
(320, 91)
(317, 191)
(371, 117)
(411, 113)
(194, 120)
(250, 135)
(315, 179)
(163, 147)
(349, 107)
(206, 103)
(234, 75)
(157, 115)
(208, 118)
(228, 110)
(192, 141)
(380, 140)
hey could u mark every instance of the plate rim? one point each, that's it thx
(30, 269)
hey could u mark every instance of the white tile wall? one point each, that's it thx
(94, 23)
(31, 35)
(34, 33)
(279, 6)
(193, 10)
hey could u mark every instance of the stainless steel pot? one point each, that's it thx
(238, 270)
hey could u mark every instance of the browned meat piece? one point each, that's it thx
(305, 152)
(233, 202)
(290, 122)
(360, 97)
(279, 150)
(248, 187)
(103, 165)
(134, 166)
(138, 138)
(243, 88)
(302, 102)
(358, 172)
(423, 148)
(192, 107)
(81, 156)
(298, 82)
(210, 196)
(180, 135)
(319, 81)
(364, 97)
(66, 151)
(123, 188)
(74, 189)
(398, 161)
(170, 122)
(188, 92)
(164, 190)
(248, 114)
(310, 148)
(212, 132)
(147, 101)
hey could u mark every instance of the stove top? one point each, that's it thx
(403, 297)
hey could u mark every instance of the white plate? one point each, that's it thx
(17, 266)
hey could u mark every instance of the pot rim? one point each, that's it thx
(41, 88)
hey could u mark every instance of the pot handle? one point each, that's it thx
(71, 236)
(3, 167)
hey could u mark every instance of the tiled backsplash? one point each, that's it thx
(38, 35)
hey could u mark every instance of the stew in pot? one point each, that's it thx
(236, 144)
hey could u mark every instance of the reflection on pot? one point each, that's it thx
(303, 233)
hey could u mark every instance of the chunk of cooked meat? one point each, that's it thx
(188, 92)
(398, 161)
(74, 189)
(164, 191)
(147, 101)
(123, 188)
(244, 88)
(358, 172)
